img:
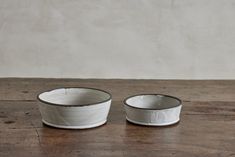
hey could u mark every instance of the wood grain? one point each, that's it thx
(207, 126)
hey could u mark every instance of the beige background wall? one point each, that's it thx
(155, 39)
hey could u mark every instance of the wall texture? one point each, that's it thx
(153, 39)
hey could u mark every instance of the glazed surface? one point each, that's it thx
(74, 96)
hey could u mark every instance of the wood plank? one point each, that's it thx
(27, 89)
(206, 127)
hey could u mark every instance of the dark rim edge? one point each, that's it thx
(80, 105)
(124, 101)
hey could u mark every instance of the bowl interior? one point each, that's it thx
(157, 102)
(74, 96)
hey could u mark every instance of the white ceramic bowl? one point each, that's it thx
(74, 108)
(153, 109)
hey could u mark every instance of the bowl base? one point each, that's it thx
(153, 124)
(74, 127)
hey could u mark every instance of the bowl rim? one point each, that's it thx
(153, 94)
(79, 105)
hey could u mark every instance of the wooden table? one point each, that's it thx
(207, 126)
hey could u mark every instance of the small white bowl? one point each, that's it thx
(74, 108)
(153, 109)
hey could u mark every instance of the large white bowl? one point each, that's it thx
(153, 109)
(74, 108)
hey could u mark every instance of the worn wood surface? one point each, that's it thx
(207, 126)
